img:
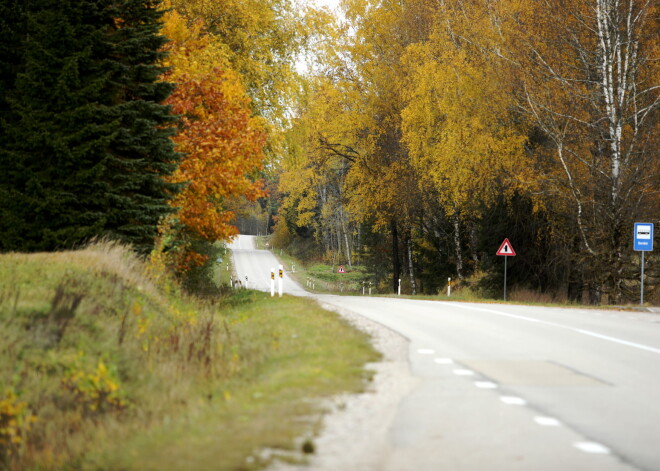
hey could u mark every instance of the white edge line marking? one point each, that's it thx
(485, 385)
(616, 340)
(462, 372)
(513, 400)
(592, 447)
(561, 326)
(547, 421)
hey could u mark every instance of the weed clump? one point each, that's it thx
(16, 421)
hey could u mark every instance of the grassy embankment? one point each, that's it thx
(105, 367)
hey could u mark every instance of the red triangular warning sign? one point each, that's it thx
(506, 249)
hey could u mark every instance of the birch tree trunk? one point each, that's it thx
(396, 263)
(457, 247)
(591, 86)
(411, 269)
(348, 245)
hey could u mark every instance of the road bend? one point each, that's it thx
(504, 387)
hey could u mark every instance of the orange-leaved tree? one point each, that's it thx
(221, 140)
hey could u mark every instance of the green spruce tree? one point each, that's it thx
(142, 152)
(86, 141)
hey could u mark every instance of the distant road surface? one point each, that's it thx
(253, 267)
(510, 387)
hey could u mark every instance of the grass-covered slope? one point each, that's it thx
(101, 367)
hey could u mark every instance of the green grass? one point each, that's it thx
(123, 373)
(223, 270)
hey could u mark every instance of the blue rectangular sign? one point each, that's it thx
(644, 236)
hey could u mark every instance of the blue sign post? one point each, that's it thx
(643, 238)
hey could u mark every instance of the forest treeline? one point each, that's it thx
(422, 134)
(432, 130)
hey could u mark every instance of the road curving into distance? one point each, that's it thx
(252, 267)
(510, 387)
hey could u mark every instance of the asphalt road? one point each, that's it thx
(253, 267)
(504, 387)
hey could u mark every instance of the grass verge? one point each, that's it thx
(101, 368)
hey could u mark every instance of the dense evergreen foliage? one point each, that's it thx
(85, 138)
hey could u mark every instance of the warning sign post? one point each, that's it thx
(506, 251)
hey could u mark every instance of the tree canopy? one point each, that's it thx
(447, 126)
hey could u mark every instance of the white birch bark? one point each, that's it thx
(411, 268)
(457, 247)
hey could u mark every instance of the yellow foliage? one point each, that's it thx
(258, 38)
(97, 390)
(15, 423)
(192, 49)
(456, 124)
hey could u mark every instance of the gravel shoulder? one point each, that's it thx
(354, 433)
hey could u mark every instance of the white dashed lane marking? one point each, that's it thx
(592, 447)
(586, 447)
(462, 372)
(444, 361)
(513, 400)
(485, 384)
(425, 351)
(547, 421)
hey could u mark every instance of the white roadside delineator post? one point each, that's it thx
(399, 292)
(281, 280)
(449, 287)
(272, 282)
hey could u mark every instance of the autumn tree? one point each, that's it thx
(589, 75)
(382, 186)
(261, 40)
(354, 130)
(458, 123)
(312, 181)
(221, 141)
(444, 125)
